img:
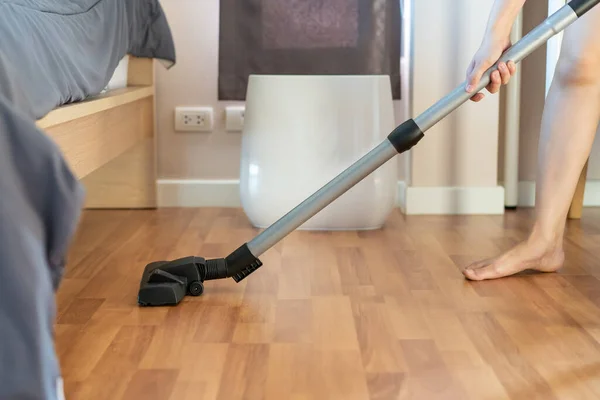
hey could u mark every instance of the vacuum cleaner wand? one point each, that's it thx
(166, 283)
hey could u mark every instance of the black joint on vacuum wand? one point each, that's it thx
(242, 263)
(405, 136)
(582, 6)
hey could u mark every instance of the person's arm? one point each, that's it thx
(502, 17)
(496, 40)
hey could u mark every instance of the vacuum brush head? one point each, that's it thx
(168, 282)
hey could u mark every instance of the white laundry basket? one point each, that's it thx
(300, 132)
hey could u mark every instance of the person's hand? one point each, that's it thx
(488, 54)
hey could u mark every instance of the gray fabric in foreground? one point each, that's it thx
(51, 53)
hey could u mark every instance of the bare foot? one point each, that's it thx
(524, 256)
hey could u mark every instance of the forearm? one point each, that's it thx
(502, 18)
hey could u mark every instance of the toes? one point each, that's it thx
(483, 273)
(499, 268)
(470, 274)
(481, 263)
(471, 271)
(484, 269)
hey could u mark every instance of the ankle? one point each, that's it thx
(545, 240)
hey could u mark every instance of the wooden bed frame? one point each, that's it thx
(109, 141)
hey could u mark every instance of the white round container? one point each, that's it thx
(300, 132)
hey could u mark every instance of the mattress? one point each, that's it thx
(51, 53)
(118, 79)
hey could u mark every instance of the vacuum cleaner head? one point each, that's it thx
(168, 282)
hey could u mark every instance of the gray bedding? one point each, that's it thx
(51, 53)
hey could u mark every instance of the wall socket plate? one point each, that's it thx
(234, 118)
(194, 119)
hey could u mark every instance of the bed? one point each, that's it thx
(76, 131)
(109, 139)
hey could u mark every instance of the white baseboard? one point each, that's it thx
(411, 200)
(198, 193)
(591, 196)
(401, 196)
(450, 200)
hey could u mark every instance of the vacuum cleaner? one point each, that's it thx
(168, 282)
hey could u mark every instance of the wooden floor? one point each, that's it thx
(347, 315)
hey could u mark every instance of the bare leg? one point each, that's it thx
(569, 123)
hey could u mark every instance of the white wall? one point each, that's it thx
(454, 168)
(533, 81)
(460, 150)
(193, 81)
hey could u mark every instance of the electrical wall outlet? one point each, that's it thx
(194, 119)
(234, 118)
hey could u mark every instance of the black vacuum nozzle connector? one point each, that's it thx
(167, 282)
(216, 269)
(242, 263)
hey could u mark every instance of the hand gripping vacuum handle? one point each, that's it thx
(244, 261)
